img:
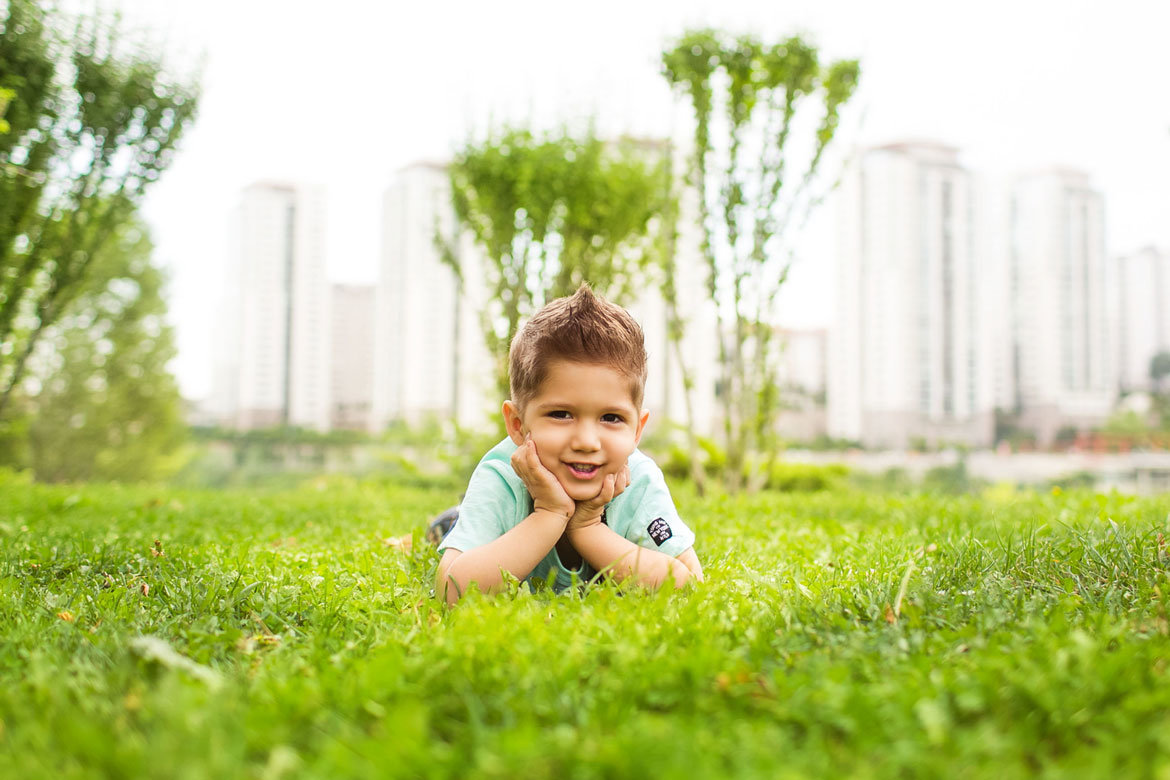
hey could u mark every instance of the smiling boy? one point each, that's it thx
(567, 493)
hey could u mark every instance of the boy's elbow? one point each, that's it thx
(682, 574)
(686, 568)
(447, 588)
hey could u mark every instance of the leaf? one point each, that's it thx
(401, 543)
(155, 650)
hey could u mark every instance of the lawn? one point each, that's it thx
(146, 632)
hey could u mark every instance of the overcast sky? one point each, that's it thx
(345, 93)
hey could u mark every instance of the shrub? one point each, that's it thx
(806, 477)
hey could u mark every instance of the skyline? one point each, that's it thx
(1064, 84)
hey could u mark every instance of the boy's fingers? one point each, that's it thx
(607, 488)
(621, 481)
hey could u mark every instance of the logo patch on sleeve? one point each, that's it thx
(659, 531)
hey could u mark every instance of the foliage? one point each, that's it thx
(1159, 368)
(552, 212)
(790, 477)
(92, 122)
(427, 453)
(102, 404)
(951, 479)
(677, 321)
(1126, 422)
(837, 635)
(749, 98)
(6, 96)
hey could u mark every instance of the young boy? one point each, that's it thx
(567, 492)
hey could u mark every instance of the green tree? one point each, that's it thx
(1159, 369)
(92, 121)
(756, 186)
(100, 401)
(554, 211)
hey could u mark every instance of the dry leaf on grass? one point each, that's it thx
(403, 543)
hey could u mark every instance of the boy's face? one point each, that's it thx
(584, 423)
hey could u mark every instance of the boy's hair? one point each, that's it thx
(582, 328)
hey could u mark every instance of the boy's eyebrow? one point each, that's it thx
(554, 404)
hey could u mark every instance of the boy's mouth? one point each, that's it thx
(583, 470)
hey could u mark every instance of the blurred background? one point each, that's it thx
(948, 262)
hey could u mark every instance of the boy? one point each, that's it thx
(567, 492)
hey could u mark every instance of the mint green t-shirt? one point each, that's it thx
(497, 501)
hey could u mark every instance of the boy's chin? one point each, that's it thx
(583, 492)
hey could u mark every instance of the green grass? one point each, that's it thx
(1031, 640)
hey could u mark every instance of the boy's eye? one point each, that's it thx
(612, 418)
(559, 414)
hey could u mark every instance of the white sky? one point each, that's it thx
(346, 92)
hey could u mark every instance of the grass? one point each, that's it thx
(276, 635)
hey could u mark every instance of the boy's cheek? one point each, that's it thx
(549, 463)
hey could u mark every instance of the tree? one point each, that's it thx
(552, 212)
(91, 122)
(1159, 369)
(755, 191)
(100, 402)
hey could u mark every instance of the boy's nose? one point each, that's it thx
(585, 438)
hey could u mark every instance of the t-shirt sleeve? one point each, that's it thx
(484, 511)
(654, 522)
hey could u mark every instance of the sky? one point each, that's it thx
(346, 93)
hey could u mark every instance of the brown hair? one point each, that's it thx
(582, 328)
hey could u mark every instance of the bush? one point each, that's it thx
(806, 477)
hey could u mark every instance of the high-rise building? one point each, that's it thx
(801, 359)
(431, 359)
(1142, 283)
(907, 359)
(1060, 361)
(280, 303)
(352, 357)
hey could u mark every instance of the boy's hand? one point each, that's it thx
(547, 493)
(589, 512)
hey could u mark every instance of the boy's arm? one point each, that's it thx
(606, 550)
(519, 550)
(516, 552)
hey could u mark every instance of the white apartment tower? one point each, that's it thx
(1061, 373)
(1142, 282)
(907, 358)
(281, 325)
(352, 357)
(430, 356)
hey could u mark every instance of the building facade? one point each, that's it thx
(279, 312)
(1142, 305)
(907, 358)
(430, 355)
(351, 361)
(1061, 366)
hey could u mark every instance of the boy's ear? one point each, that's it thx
(513, 422)
(642, 418)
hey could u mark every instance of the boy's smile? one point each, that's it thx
(584, 423)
